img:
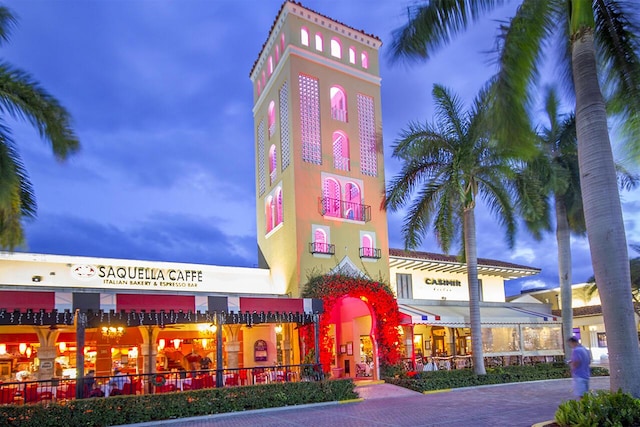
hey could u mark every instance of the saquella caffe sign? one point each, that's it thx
(137, 276)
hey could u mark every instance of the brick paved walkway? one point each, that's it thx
(509, 405)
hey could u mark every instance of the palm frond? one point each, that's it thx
(7, 24)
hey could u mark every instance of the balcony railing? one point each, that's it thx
(322, 248)
(374, 253)
(339, 114)
(343, 209)
(342, 163)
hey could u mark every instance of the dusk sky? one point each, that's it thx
(161, 100)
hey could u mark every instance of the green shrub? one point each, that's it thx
(118, 410)
(600, 409)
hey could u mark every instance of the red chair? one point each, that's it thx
(232, 380)
(208, 381)
(197, 383)
(6, 395)
(31, 393)
(242, 376)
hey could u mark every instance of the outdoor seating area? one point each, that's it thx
(29, 392)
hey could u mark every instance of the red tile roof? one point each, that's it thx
(430, 256)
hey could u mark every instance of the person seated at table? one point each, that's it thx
(118, 381)
(96, 391)
(431, 365)
(90, 379)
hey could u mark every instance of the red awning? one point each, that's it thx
(148, 302)
(273, 305)
(25, 300)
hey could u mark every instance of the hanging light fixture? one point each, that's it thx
(207, 329)
(278, 329)
(3, 349)
(22, 347)
(29, 351)
(161, 344)
(176, 343)
(62, 346)
(112, 333)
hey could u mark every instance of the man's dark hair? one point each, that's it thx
(573, 339)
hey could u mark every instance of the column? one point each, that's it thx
(47, 352)
(232, 346)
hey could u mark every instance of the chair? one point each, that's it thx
(6, 395)
(31, 393)
(208, 381)
(232, 380)
(128, 388)
(197, 383)
(242, 376)
(259, 376)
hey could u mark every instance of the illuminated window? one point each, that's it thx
(282, 41)
(261, 165)
(336, 48)
(270, 65)
(319, 42)
(353, 202)
(338, 104)
(304, 36)
(352, 55)
(331, 197)
(279, 210)
(277, 54)
(364, 59)
(285, 142)
(270, 209)
(273, 163)
(341, 151)
(367, 246)
(271, 118)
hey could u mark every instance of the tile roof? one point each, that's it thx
(431, 256)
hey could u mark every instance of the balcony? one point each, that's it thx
(322, 248)
(373, 253)
(342, 209)
(339, 114)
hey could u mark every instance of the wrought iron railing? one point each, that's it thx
(344, 209)
(370, 253)
(322, 248)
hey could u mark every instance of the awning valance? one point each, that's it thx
(458, 316)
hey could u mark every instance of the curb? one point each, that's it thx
(543, 424)
(342, 402)
(442, 390)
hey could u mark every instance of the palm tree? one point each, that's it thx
(22, 98)
(449, 164)
(555, 170)
(591, 37)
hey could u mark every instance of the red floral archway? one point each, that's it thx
(331, 289)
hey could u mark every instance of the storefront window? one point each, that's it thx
(542, 338)
(501, 340)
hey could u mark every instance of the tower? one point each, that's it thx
(318, 140)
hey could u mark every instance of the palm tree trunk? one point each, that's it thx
(563, 239)
(471, 254)
(603, 216)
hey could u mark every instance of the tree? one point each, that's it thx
(596, 40)
(22, 98)
(554, 170)
(449, 164)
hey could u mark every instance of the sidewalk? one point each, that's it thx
(508, 405)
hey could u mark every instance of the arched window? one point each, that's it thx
(364, 59)
(331, 193)
(279, 212)
(341, 151)
(273, 163)
(336, 48)
(353, 203)
(269, 211)
(352, 55)
(282, 42)
(270, 65)
(320, 241)
(259, 88)
(304, 36)
(367, 246)
(277, 54)
(271, 119)
(338, 104)
(319, 42)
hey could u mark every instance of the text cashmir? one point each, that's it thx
(443, 282)
(145, 273)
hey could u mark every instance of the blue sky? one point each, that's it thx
(161, 100)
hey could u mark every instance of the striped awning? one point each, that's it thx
(458, 316)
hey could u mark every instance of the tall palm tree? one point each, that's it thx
(22, 98)
(555, 169)
(596, 40)
(449, 164)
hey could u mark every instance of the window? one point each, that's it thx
(261, 163)
(367, 245)
(264, 79)
(285, 142)
(273, 163)
(331, 197)
(404, 287)
(269, 214)
(304, 36)
(271, 119)
(353, 204)
(319, 42)
(364, 60)
(310, 119)
(338, 104)
(282, 41)
(336, 48)
(320, 243)
(259, 88)
(602, 339)
(277, 54)
(340, 151)
(279, 211)
(352, 55)
(480, 291)
(270, 65)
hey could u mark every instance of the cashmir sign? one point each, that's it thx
(442, 282)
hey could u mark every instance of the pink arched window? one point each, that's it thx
(353, 204)
(279, 212)
(338, 103)
(331, 193)
(352, 55)
(277, 54)
(336, 48)
(320, 237)
(341, 158)
(364, 59)
(319, 42)
(304, 36)
(269, 214)
(367, 246)
(273, 163)
(270, 65)
(271, 119)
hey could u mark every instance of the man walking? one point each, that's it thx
(579, 363)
